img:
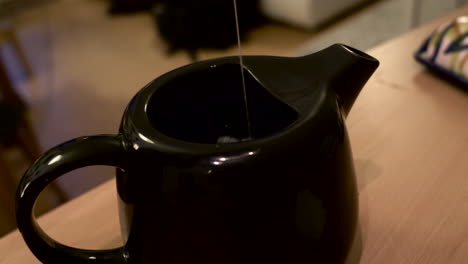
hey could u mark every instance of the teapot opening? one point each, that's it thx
(207, 106)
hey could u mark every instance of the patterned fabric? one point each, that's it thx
(446, 50)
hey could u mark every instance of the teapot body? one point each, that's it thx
(211, 172)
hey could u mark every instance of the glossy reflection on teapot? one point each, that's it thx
(196, 186)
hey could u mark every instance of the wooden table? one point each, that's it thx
(409, 132)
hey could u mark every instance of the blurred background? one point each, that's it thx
(68, 68)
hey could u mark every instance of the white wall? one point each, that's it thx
(427, 10)
(383, 20)
(310, 13)
(305, 13)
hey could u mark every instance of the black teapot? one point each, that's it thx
(205, 176)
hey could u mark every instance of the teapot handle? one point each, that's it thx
(71, 155)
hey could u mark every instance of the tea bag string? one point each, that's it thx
(249, 129)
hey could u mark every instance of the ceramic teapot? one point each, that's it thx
(208, 172)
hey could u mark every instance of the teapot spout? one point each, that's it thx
(347, 70)
(294, 81)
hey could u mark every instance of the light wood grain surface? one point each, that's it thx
(409, 135)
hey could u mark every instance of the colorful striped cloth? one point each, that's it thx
(446, 50)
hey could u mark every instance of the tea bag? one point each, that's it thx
(230, 140)
(227, 140)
